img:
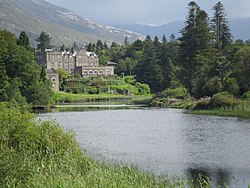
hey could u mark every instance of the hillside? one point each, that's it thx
(64, 26)
(240, 28)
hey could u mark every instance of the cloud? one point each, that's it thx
(147, 11)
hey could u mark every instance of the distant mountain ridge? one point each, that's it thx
(240, 28)
(63, 25)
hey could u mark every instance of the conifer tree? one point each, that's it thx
(194, 40)
(220, 27)
(43, 41)
(24, 40)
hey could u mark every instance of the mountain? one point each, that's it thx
(152, 31)
(240, 28)
(63, 25)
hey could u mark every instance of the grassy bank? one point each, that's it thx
(220, 104)
(63, 97)
(241, 110)
(42, 154)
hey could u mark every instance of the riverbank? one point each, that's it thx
(221, 104)
(241, 110)
(63, 97)
(42, 154)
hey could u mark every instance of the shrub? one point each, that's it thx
(179, 92)
(202, 104)
(142, 89)
(129, 79)
(231, 85)
(222, 99)
(246, 95)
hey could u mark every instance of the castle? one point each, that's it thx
(80, 62)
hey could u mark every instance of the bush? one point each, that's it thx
(142, 89)
(202, 104)
(179, 92)
(222, 99)
(246, 95)
(231, 85)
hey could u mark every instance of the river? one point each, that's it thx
(164, 141)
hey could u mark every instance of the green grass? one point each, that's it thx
(41, 154)
(60, 97)
(63, 97)
(241, 110)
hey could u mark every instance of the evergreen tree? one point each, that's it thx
(220, 28)
(24, 40)
(99, 46)
(194, 40)
(148, 69)
(43, 41)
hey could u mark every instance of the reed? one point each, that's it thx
(241, 110)
(41, 154)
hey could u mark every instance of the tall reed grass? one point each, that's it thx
(241, 110)
(41, 154)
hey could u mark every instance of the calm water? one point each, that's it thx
(166, 141)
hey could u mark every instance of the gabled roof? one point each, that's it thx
(91, 54)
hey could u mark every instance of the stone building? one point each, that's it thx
(80, 62)
(53, 76)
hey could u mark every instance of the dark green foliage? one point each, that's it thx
(242, 67)
(149, 70)
(195, 40)
(246, 95)
(24, 40)
(43, 41)
(231, 85)
(220, 27)
(22, 80)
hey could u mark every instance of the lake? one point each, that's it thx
(164, 141)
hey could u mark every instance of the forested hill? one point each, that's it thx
(64, 26)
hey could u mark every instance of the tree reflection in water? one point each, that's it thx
(219, 177)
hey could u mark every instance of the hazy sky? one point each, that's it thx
(156, 12)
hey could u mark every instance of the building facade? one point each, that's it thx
(80, 62)
(53, 76)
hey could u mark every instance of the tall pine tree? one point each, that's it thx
(220, 27)
(194, 40)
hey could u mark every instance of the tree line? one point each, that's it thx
(22, 80)
(204, 59)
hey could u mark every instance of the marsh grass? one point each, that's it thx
(241, 110)
(41, 154)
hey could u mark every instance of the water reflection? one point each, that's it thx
(220, 178)
(88, 107)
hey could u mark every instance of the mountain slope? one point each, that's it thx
(64, 26)
(240, 28)
(167, 29)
